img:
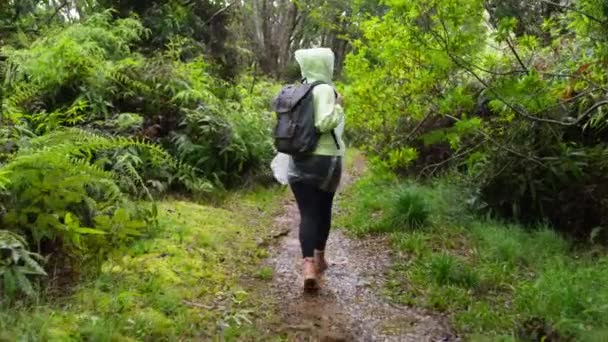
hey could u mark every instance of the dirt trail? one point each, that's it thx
(347, 308)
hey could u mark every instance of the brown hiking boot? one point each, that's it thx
(320, 262)
(311, 283)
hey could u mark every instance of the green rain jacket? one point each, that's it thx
(318, 65)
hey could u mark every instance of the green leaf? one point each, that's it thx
(89, 231)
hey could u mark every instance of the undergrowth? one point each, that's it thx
(90, 125)
(497, 281)
(186, 283)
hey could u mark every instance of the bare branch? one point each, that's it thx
(220, 11)
(574, 9)
(521, 62)
(57, 10)
(417, 128)
(452, 158)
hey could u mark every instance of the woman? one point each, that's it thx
(314, 178)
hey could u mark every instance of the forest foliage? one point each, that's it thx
(106, 105)
(95, 121)
(510, 93)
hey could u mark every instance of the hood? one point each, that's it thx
(316, 64)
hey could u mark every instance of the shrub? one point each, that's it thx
(414, 242)
(514, 247)
(399, 85)
(72, 203)
(67, 76)
(570, 297)
(87, 75)
(526, 120)
(90, 126)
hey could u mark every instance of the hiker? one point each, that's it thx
(314, 176)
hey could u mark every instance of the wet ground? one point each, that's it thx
(348, 306)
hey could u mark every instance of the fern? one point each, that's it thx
(79, 57)
(70, 178)
(4, 179)
(56, 195)
(17, 264)
(129, 86)
(18, 98)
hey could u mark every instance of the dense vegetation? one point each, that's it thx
(496, 281)
(108, 103)
(499, 109)
(93, 121)
(483, 120)
(512, 93)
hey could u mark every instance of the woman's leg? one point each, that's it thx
(326, 200)
(325, 209)
(308, 203)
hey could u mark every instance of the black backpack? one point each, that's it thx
(295, 132)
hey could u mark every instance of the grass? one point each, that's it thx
(496, 281)
(409, 209)
(265, 273)
(185, 284)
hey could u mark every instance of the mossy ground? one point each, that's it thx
(189, 282)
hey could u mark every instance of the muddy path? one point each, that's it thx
(348, 306)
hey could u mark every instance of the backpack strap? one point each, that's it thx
(289, 97)
(333, 134)
(316, 83)
(333, 131)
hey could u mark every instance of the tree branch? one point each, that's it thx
(220, 11)
(513, 107)
(454, 157)
(574, 9)
(593, 108)
(515, 72)
(519, 71)
(17, 13)
(417, 128)
(519, 111)
(57, 10)
(458, 61)
(499, 145)
(521, 62)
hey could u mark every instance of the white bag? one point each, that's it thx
(280, 167)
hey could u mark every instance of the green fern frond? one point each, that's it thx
(23, 284)
(4, 178)
(31, 266)
(19, 95)
(84, 144)
(15, 271)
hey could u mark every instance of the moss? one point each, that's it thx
(181, 284)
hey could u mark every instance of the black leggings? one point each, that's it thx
(315, 216)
